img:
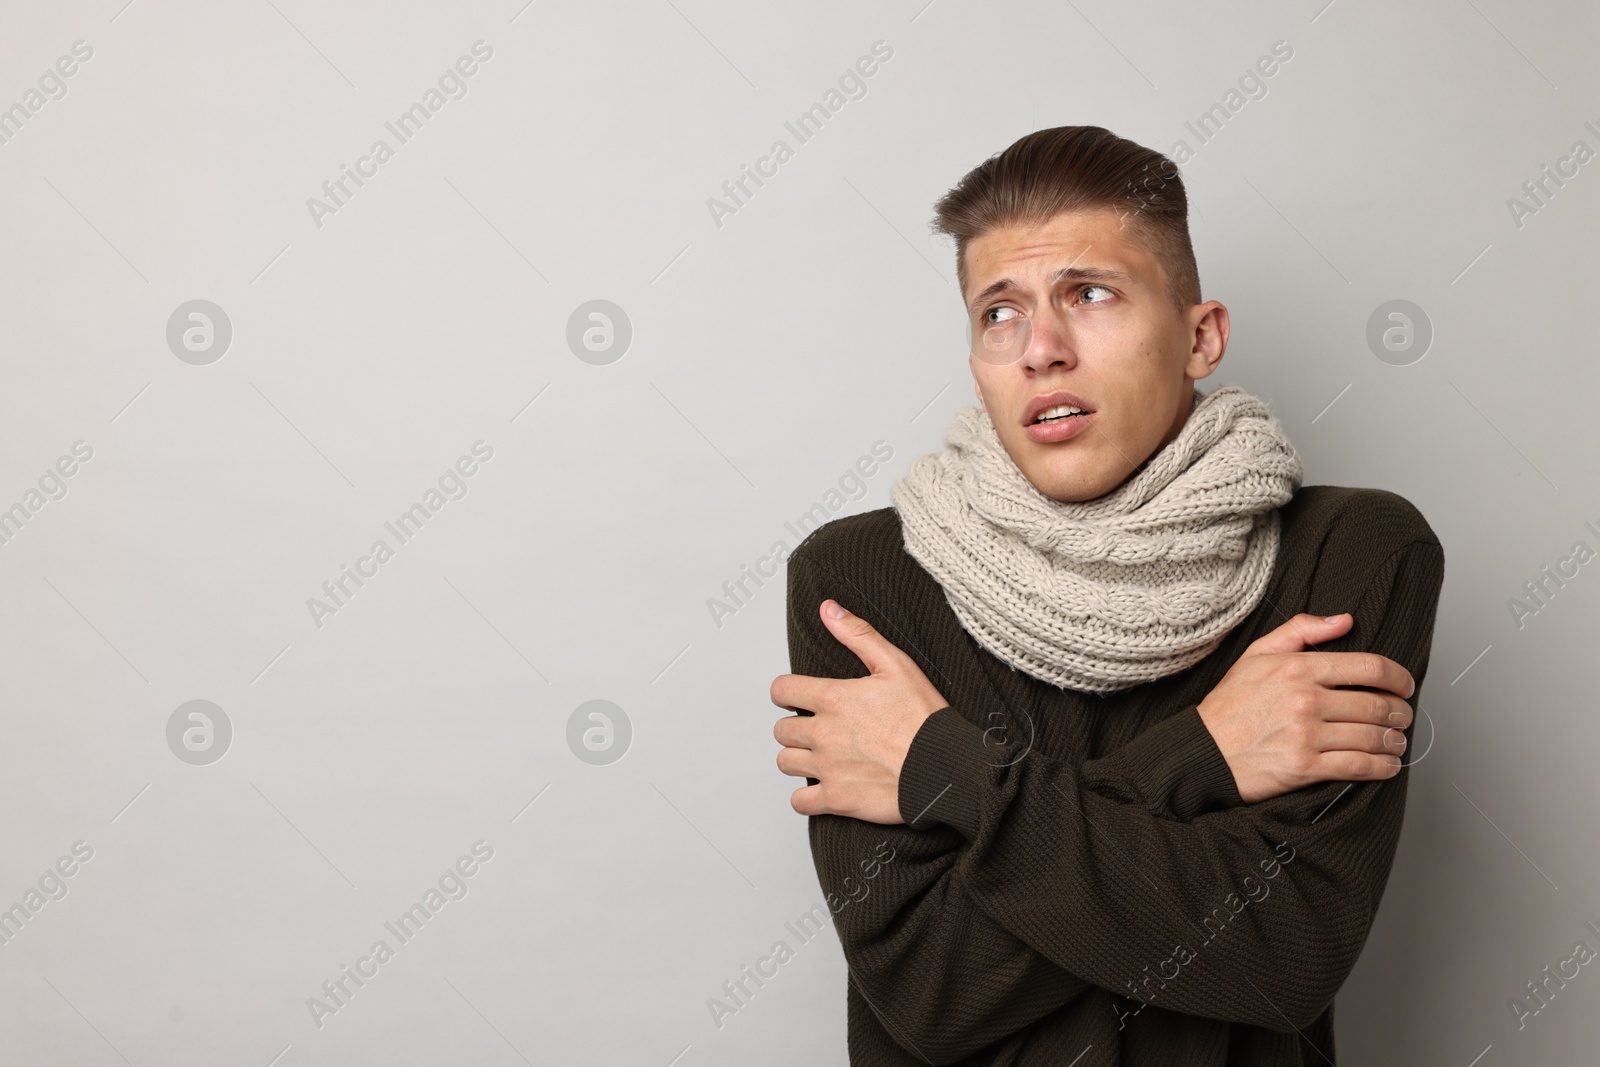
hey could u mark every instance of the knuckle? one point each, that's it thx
(1296, 667)
(1303, 704)
(1348, 767)
(1302, 736)
(1303, 764)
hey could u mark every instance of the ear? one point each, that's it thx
(1210, 339)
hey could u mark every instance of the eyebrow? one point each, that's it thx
(1081, 274)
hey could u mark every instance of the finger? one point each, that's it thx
(807, 800)
(1363, 668)
(1354, 737)
(795, 731)
(1376, 709)
(857, 634)
(799, 762)
(799, 691)
(1347, 766)
(1300, 631)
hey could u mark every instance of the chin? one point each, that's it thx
(1072, 487)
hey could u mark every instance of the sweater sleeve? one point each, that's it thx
(943, 977)
(1249, 913)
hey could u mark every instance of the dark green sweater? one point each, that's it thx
(1082, 884)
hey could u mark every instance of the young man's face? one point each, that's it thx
(1104, 331)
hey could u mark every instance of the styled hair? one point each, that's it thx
(1070, 168)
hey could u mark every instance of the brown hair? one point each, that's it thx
(1076, 168)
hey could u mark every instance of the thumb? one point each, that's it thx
(1302, 630)
(858, 635)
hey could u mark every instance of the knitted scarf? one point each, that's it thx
(1105, 594)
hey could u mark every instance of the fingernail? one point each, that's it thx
(834, 609)
(1396, 716)
(1333, 618)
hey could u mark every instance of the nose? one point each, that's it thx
(1050, 343)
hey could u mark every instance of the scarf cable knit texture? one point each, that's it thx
(1105, 594)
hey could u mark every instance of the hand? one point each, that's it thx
(855, 739)
(1282, 724)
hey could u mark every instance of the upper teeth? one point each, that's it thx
(1058, 411)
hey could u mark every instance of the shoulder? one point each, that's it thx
(862, 561)
(1348, 535)
(1378, 515)
(854, 547)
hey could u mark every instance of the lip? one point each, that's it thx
(1046, 401)
(1065, 430)
(1052, 432)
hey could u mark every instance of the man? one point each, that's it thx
(1102, 722)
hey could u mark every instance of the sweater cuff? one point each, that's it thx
(1178, 768)
(945, 774)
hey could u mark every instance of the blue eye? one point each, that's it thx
(1102, 288)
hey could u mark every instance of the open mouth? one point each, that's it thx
(1058, 414)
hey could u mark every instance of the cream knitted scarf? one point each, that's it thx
(1105, 594)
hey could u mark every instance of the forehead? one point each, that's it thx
(1100, 238)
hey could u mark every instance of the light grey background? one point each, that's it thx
(768, 353)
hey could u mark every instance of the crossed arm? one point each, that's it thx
(1043, 879)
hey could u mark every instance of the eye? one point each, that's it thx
(989, 320)
(1091, 288)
